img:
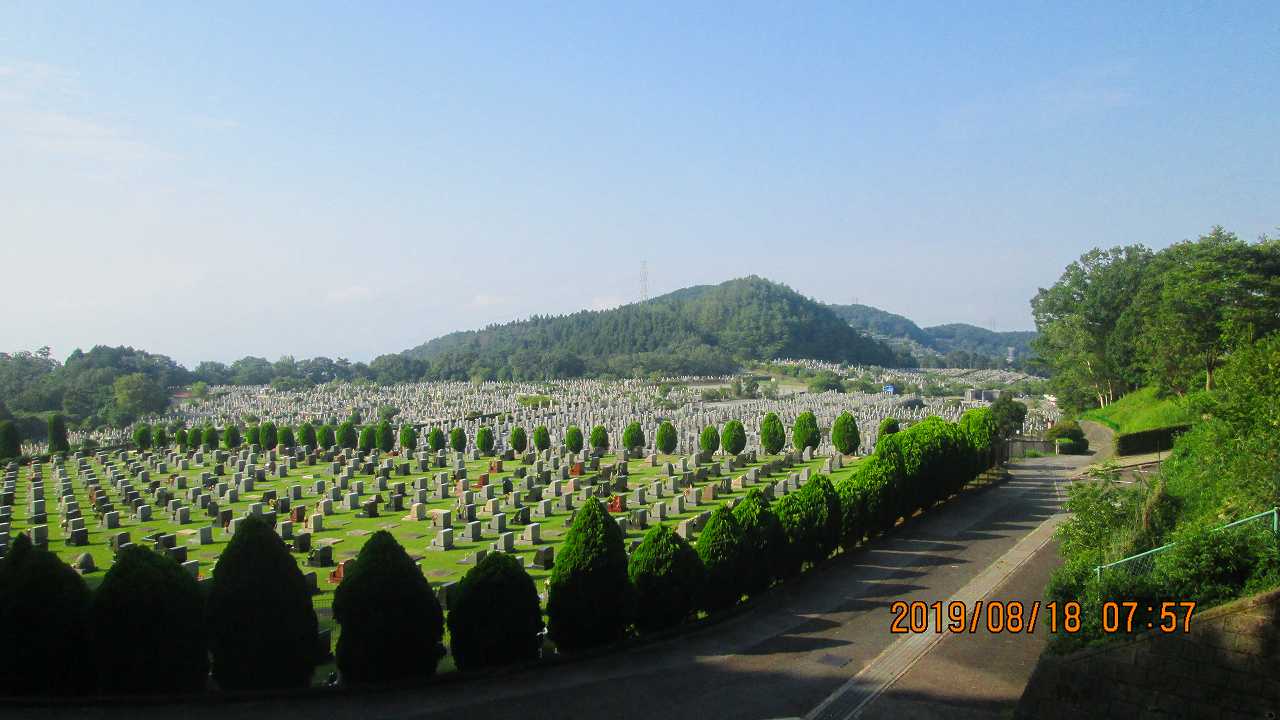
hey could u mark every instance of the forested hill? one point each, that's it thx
(971, 338)
(699, 330)
(953, 337)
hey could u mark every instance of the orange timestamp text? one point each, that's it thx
(1119, 616)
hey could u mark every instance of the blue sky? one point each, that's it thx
(210, 180)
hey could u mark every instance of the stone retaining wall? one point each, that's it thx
(1226, 667)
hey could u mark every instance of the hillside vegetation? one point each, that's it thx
(958, 339)
(1184, 321)
(696, 331)
(1140, 410)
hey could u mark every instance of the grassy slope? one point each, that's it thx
(1140, 410)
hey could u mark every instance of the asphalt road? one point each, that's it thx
(787, 656)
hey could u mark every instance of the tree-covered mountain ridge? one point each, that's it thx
(704, 329)
(942, 339)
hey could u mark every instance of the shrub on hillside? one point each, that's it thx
(709, 440)
(267, 435)
(326, 436)
(386, 436)
(252, 436)
(142, 437)
(831, 525)
(307, 435)
(368, 438)
(803, 517)
(888, 426)
(180, 437)
(573, 439)
(599, 439)
(805, 432)
(210, 436)
(733, 437)
(668, 576)
(408, 438)
(1149, 441)
(772, 435)
(722, 547)
(261, 624)
(1214, 566)
(159, 437)
(541, 438)
(764, 541)
(458, 439)
(589, 596)
(518, 439)
(665, 438)
(148, 631)
(435, 439)
(633, 437)
(57, 434)
(844, 434)
(484, 439)
(380, 590)
(494, 615)
(230, 437)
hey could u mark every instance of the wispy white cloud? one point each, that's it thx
(37, 118)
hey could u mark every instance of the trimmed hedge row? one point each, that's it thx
(1148, 441)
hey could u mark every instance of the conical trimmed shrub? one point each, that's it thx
(262, 627)
(494, 615)
(380, 591)
(44, 607)
(765, 541)
(589, 599)
(668, 577)
(722, 547)
(148, 632)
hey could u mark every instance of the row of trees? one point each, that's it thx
(150, 629)
(732, 438)
(1126, 317)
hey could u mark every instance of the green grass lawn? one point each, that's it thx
(1141, 410)
(346, 529)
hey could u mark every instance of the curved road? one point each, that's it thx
(820, 647)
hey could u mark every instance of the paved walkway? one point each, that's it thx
(784, 658)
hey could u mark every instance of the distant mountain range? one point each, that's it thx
(940, 339)
(700, 330)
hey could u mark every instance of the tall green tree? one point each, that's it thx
(458, 439)
(348, 437)
(142, 437)
(231, 437)
(307, 435)
(325, 436)
(435, 439)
